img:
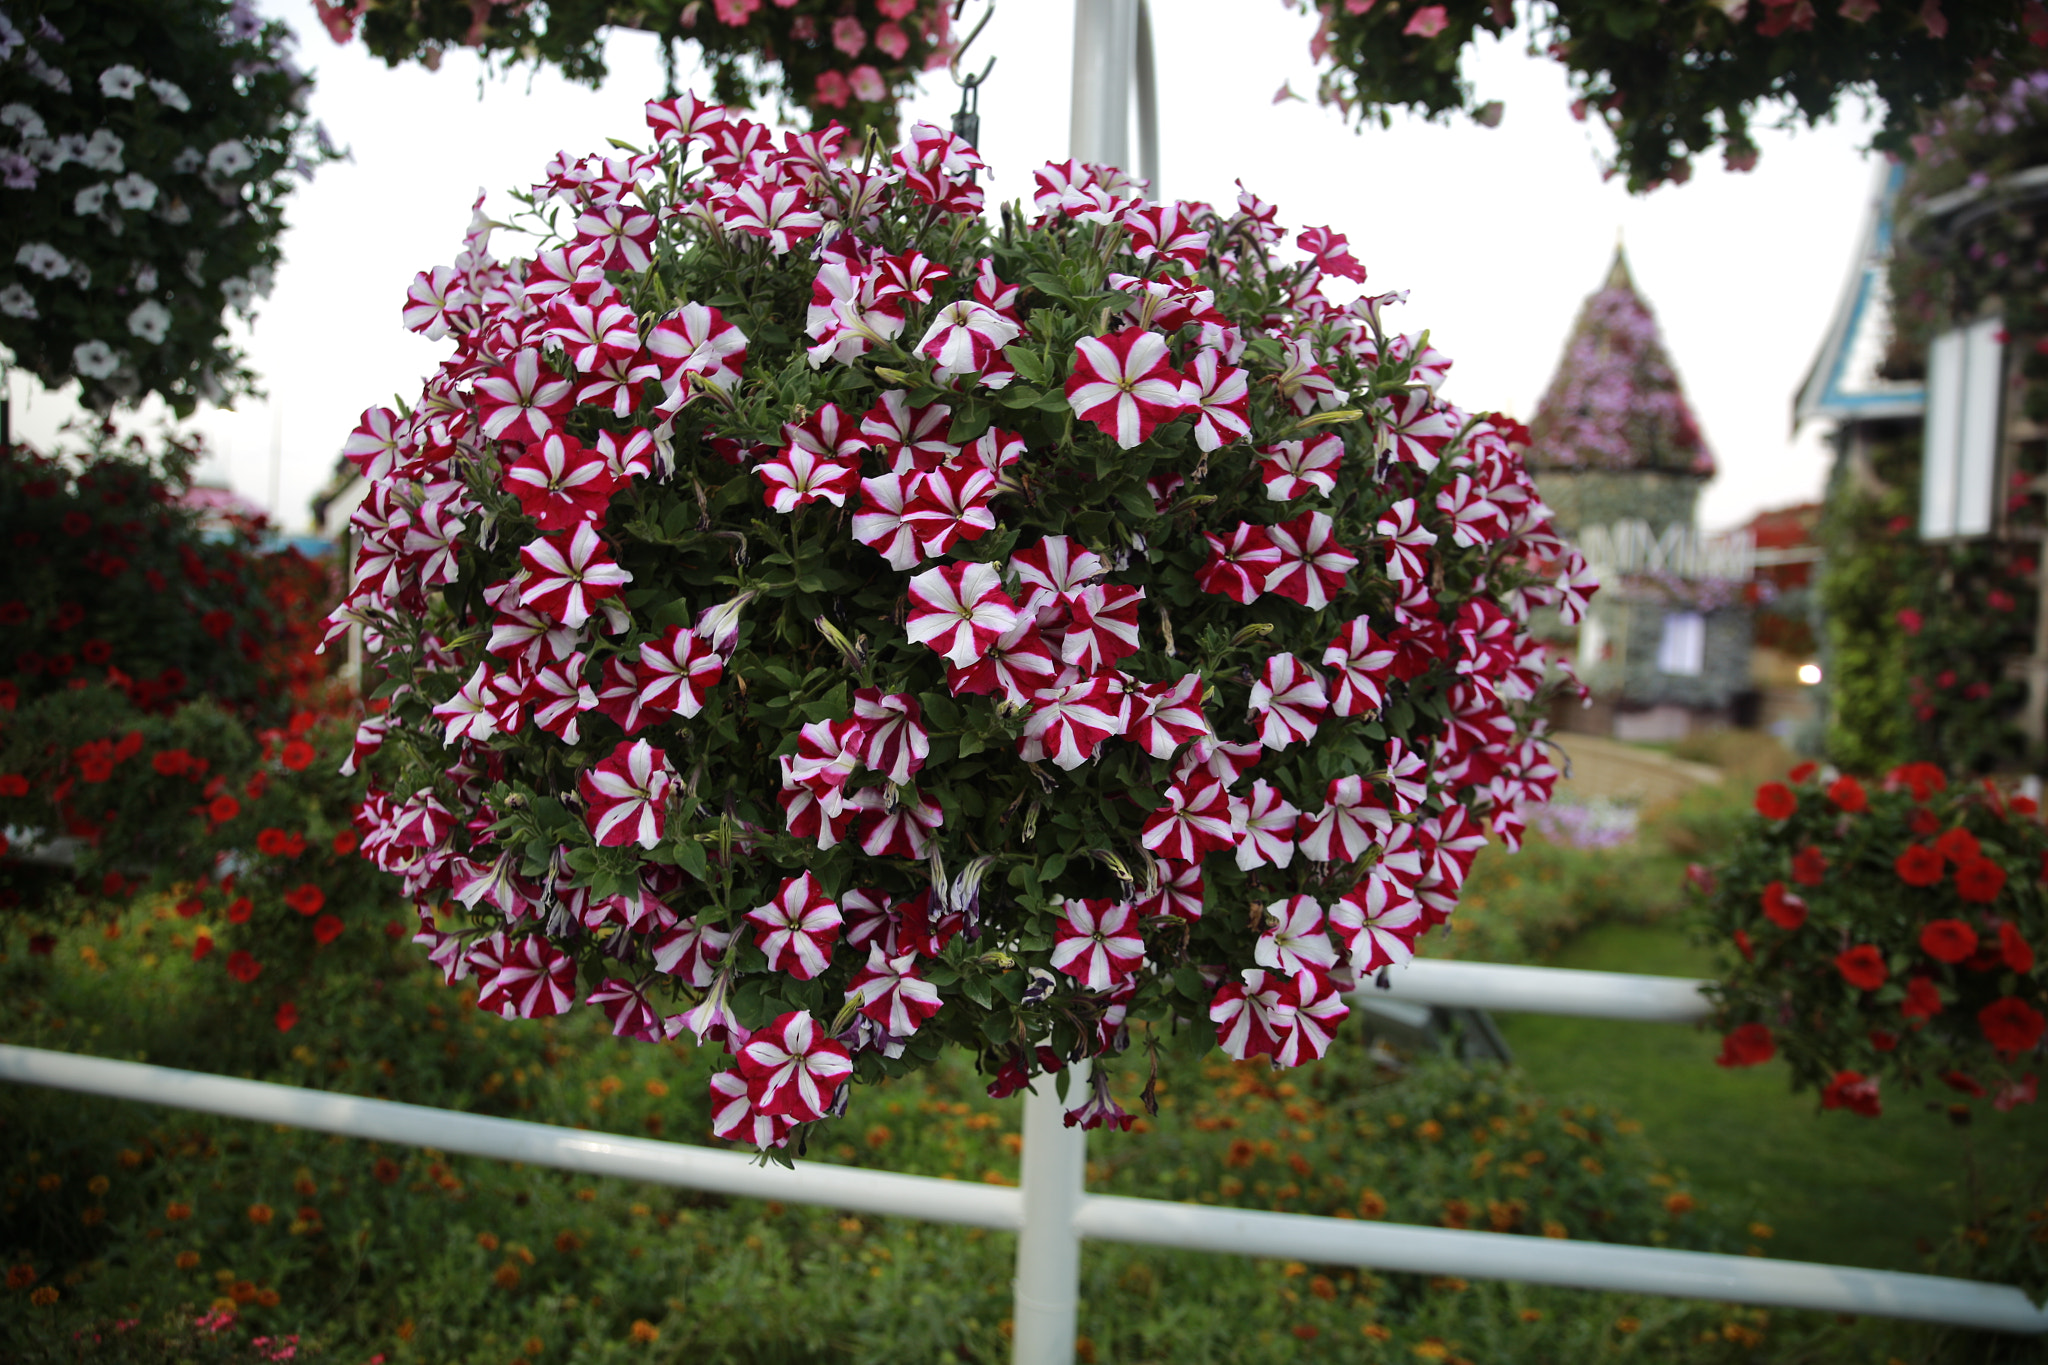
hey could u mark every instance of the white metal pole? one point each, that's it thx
(1147, 77)
(1047, 1291)
(1105, 61)
(1545, 990)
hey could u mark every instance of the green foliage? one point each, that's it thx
(1671, 81)
(787, 51)
(140, 212)
(1867, 573)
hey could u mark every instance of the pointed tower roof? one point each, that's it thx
(1615, 402)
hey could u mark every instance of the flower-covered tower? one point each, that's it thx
(1621, 459)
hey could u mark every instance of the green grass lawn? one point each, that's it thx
(1835, 1187)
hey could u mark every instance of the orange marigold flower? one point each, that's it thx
(20, 1276)
(487, 1240)
(386, 1171)
(506, 1276)
(262, 1215)
(44, 1297)
(643, 1330)
(178, 1212)
(1679, 1204)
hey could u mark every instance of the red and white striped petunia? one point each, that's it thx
(522, 400)
(1194, 822)
(1299, 469)
(794, 1068)
(964, 337)
(1056, 568)
(685, 119)
(533, 980)
(625, 1004)
(436, 301)
(1254, 1015)
(630, 457)
(1166, 715)
(1378, 920)
(1287, 702)
(695, 349)
(1227, 761)
(1303, 381)
(892, 738)
(1332, 253)
(1068, 724)
(1351, 821)
(826, 756)
(1294, 938)
(676, 671)
(892, 993)
(782, 214)
(560, 484)
(480, 707)
(1312, 564)
(592, 331)
(1269, 824)
(909, 438)
(690, 951)
(1476, 520)
(1017, 665)
(1416, 427)
(625, 795)
(1167, 231)
(799, 475)
(1240, 563)
(948, 506)
(881, 523)
(1219, 399)
(1407, 775)
(1102, 626)
(557, 694)
(623, 233)
(1179, 892)
(565, 583)
(735, 1118)
(1125, 385)
(1406, 540)
(1360, 664)
(796, 929)
(849, 314)
(1096, 942)
(902, 829)
(1319, 1008)
(959, 611)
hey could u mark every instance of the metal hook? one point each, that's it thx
(953, 66)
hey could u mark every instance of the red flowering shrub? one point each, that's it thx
(1910, 956)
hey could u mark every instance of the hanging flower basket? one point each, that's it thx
(146, 150)
(824, 619)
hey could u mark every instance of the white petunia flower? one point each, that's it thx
(120, 82)
(17, 302)
(103, 152)
(177, 213)
(43, 259)
(95, 359)
(90, 200)
(131, 191)
(66, 149)
(145, 279)
(17, 172)
(229, 158)
(22, 119)
(150, 321)
(236, 293)
(170, 96)
(47, 74)
(187, 161)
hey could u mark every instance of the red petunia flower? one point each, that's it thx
(1774, 801)
(345, 842)
(1958, 846)
(1979, 880)
(2012, 1094)
(306, 898)
(1920, 865)
(326, 929)
(243, 966)
(1854, 1091)
(13, 784)
(1743, 946)
(1922, 1000)
(1748, 1045)
(1923, 821)
(1782, 908)
(2011, 1025)
(1862, 967)
(223, 809)
(1803, 771)
(1948, 940)
(1848, 795)
(1922, 779)
(202, 944)
(1884, 1040)
(297, 756)
(287, 1015)
(238, 910)
(2017, 952)
(1809, 866)
(1963, 1083)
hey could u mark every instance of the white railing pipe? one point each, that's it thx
(569, 1149)
(1543, 1260)
(1045, 1315)
(1545, 990)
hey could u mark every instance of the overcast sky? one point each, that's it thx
(1498, 234)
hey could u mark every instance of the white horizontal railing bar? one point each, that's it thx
(569, 1149)
(1544, 990)
(1543, 1260)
